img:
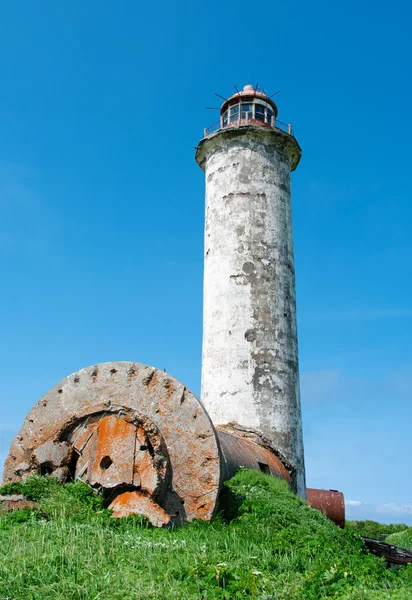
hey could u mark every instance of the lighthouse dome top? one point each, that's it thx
(251, 106)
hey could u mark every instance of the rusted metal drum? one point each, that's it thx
(331, 502)
(146, 443)
(247, 448)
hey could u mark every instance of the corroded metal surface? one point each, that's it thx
(112, 453)
(135, 417)
(331, 502)
(12, 503)
(257, 439)
(239, 451)
(394, 555)
(136, 503)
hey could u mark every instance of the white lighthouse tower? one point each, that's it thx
(250, 373)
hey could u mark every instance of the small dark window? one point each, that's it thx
(225, 119)
(270, 115)
(264, 468)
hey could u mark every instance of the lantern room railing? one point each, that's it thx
(275, 124)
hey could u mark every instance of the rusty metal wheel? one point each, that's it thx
(130, 430)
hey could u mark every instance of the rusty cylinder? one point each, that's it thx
(331, 502)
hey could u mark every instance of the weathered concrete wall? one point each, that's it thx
(250, 355)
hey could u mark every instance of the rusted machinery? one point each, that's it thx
(144, 440)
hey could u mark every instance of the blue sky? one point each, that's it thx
(102, 203)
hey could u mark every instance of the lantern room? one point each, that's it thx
(250, 106)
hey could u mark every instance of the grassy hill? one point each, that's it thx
(264, 544)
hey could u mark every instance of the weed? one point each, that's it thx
(264, 543)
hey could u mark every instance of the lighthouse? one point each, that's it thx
(250, 372)
(140, 435)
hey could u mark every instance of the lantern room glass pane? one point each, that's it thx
(260, 112)
(225, 119)
(246, 111)
(270, 115)
(234, 113)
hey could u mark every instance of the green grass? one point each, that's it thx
(264, 544)
(401, 538)
(374, 530)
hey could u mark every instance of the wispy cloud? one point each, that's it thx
(391, 512)
(395, 509)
